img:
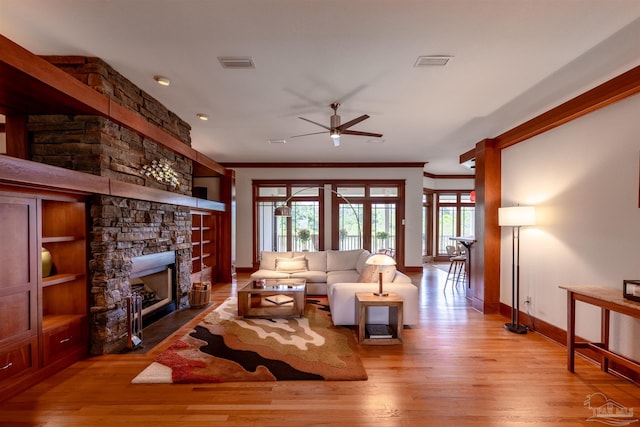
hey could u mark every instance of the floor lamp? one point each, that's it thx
(516, 217)
(285, 209)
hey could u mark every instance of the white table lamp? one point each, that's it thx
(380, 260)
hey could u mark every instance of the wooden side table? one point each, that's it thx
(394, 302)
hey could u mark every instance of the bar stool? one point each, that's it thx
(457, 270)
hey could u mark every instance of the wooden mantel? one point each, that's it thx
(31, 85)
(28, 174)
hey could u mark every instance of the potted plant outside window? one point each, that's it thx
(304, 235)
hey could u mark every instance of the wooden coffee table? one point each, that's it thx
(269, 298)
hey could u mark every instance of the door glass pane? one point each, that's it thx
(383, 228)
(467, 221)
(384, 192)
(447, 198)
(272, 191)
(350, 226)
(349, 192)
(305, 191)
(272, 230)
(446, 227)
(304, 223)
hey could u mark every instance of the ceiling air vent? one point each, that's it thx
(432, 61)
(237, 62)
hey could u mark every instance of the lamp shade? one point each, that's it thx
(516, 216)
(380, 259)
(282, 210)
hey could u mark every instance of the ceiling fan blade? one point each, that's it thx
(307, 134)
(352, 122)
(355, 132)
(315, 123)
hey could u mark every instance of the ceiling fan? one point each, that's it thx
(336, 129)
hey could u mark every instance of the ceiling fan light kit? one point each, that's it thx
(335, 130)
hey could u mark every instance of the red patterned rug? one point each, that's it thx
(222, 348)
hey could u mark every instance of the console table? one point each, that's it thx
(608, 299)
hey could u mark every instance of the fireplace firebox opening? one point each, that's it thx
(153, 278)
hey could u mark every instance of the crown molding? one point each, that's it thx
(434, 176)
(325, 165)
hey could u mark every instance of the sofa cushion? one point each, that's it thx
(342, 260)
(311, 276)
(268, 259)
(362, 260)
(291, 265)
(342, 276)
(316, 261)
(268, 274)
(342, 302)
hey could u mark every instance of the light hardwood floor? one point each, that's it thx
(456, 368)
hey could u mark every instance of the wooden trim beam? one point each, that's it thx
(616, 89)
(31, 85)
(51, 84)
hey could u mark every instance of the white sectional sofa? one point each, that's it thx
(339, 275)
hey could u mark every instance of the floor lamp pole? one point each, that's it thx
(515, 325)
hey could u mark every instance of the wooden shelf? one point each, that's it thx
(60, 239)
(54, 321)
(57, 279)
(203, 237)
(41, 348)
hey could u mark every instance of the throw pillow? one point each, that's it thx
(291, 265)
(362, 260)
(268, 259)
(369, 274)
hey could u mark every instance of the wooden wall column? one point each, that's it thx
(484, 291)
(16, 132)
(227, 232)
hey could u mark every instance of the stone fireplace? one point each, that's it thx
(122, 229)
(125, 230)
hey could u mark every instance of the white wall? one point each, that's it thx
(449, 184)
(583, 178)
(413, 206)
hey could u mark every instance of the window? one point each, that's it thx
(455, 217)
(301, 231)
(362, 215)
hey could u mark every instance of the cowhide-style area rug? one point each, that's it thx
(222, 348)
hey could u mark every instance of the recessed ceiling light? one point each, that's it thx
(163, 81)
(432, 61)
(277, 141)
(375, 141)
(202, 117)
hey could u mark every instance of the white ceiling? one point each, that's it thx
(512, 60)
